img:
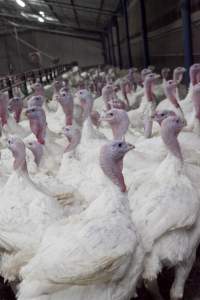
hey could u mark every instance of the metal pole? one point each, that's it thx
(9, 85)
(113, 47)
(187, 35)
(144, 34)
(125, 9)
(110, 57)
(104, 49)
(118, 43)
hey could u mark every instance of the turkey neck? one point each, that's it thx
(196, 103)
(37, 155)
(87, 105)
(20, 164)
(113, 170)
(148, 123)
(171, 94)
(148, 91)
(171, 142)
(73, 142)
(119, 128)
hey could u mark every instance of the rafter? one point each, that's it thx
(53, 24)
(52, 11)
(82, 8)
(48, 30)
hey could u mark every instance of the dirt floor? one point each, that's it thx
(192, 289)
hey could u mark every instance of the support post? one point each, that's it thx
(109, 50)
(9, 86)
(187, 35)
(118, 43)
(125, 10)
(113, 47)
(144, 34)
(104, 48)
(24, 84)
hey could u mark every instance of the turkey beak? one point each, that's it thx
(130, 147)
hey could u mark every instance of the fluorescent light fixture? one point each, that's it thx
(24, 15)
(40, 19)
(42, 13)
(20, 3)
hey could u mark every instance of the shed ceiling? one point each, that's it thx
(86, 17)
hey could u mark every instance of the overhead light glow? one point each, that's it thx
(40, 19)
(20, 3)
(42, 13)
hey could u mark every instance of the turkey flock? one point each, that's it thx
(100, 184)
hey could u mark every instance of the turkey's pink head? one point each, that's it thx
(165, 73)
(178, 74)
(57, 86)
(3, 109)
(67, 102)
(108, 94)
(170, 92)
(170, 128)
(195, 74)
(111, 161)
(38, 124)
(16, 106)
(118, 120)
(18, 149)
(159, 116)
(95, 117)
(196, 100)
(109, 79)
(74, 136)
(86, 102)
(144, 73)
(38, 89)
(36, 101)
(37, 150)
(150, 79)
(126, 86)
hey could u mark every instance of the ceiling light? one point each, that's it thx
(42, 13)
(40, 19)
(20, 3)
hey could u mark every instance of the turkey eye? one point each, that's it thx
(120, 145)
(111, 114)
(32, 110)
(162, 115)
(177, 121)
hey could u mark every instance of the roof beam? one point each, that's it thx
(53, 24)
(82, 8)
(51, 31)
(52, 11)
(75, 13)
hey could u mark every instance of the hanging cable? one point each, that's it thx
(30, 45)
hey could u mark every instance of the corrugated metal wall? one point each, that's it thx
(68, 49)
(164, 33)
